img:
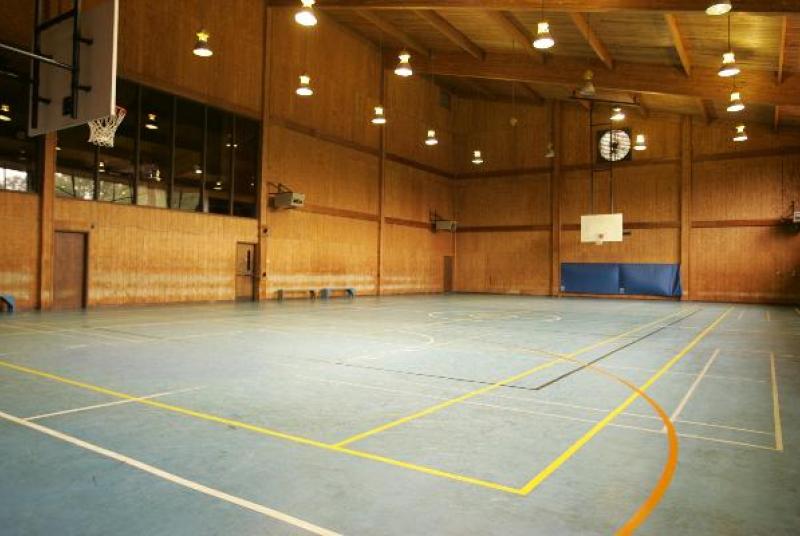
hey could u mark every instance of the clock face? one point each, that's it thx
(614, 145)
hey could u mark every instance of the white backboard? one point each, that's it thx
(599, 228)
(98, 69)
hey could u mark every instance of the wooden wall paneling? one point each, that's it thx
(556, 179)
(19, 218)
(686, 204)
(414, 259)
(46, 201)
(649, 193)
(641, 246)
(155, 48)
(504, 201)
(263, 210)
(413, 195)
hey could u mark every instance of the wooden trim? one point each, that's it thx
(756, 153)
(629, 163)
(782, 49)
(539, 170)
(704, 224)
(408, 223)
(503, 228)
(396, 158)
(582, 23)
(339, 212)
(679, 43)
(392, 30)
(709, 111)
(456, 36)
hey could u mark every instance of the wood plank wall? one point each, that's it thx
(19, 253)
(735, 249)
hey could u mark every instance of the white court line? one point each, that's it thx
(108, 404)
(776, 404)
(692, 388)
(740, 316)
(175, 479)
(767, 315)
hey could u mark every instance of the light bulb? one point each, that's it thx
(551, 151)
(151, 122)
(588, 89)
(379, 118)
(729, 67)
(404, 66)
(618, 114)
(201, 47)
(740, 135)
(5, 112)
(543, 38)
(304, 89)
(736, 104)
(477, 158)
(719, 7)
(306, 17)
(431, 139)
(641, 143)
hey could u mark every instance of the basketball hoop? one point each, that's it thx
(102, 130)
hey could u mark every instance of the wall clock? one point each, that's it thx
(614, 145)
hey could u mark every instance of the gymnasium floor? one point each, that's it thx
(435, 415)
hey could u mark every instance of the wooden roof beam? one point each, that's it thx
(591, 37)
(581, 6)
(532, 94)
(392, 30)
(679, 43)
(709, 112)
(704, 83)
(516, 31)
(456, 36)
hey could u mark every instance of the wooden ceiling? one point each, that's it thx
(663, 54)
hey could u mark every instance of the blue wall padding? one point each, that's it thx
(651, 279)
(594, 278)
(618, 278)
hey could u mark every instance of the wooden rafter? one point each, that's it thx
(392, 30)
(531, 93)
(679, 43)
(752, 6)
(704, 83)
(582, 23)
(475, 87)
(455, 35)
(709, 112)
(643, 109)
(516, 31)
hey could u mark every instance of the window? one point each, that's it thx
(155, 160)
(246, 165)
(219, 148)
(168, 152)
(18, 152)
(189, 127)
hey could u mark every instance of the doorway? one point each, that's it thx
(447, 285)
(69, 270)
(245, 271)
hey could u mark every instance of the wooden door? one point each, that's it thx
(448, 274)
(245, 270)
(69, 271)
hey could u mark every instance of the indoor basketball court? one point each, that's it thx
(379, 267)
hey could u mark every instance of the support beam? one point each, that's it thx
(686, 203)
(582, 23)
(475, 87)
(555, 198)
(679, 43)
(631, 77)
(643, 109)
(782, 49)
(709, 112)
(392, 30)
(456, 36)
(776, 121)
(516, 32)
(531, 93)
(697, 6)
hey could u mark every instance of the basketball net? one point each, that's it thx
(102, 130)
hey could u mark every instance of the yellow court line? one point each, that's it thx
(261, 429)
(776, 404)
(575, 447)
(492, 387)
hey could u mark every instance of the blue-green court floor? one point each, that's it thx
(418, 415)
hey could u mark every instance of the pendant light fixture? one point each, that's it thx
(551, 151)
(5, 112)
(404, 66)
(740, 135)
(151, 124)
(729, 67)
(617, 114)
(306, 17)
(379, 118)
(201, 47)
(477, 158)
(736, 104)
(641, 143)
(588, 89)
(304, 89)
(719, 7)
(431, 140)
(543, 38)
